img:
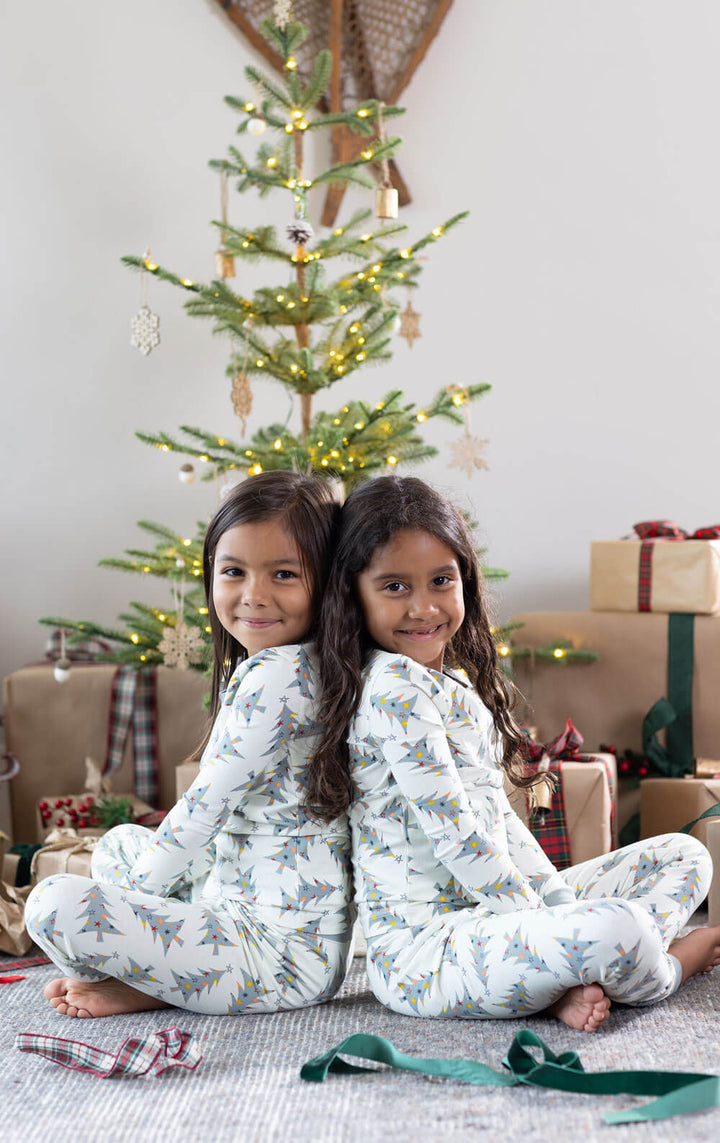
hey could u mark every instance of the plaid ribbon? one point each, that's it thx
(23, 962)
(669, 530)
(551, 831)
(564, 747)
(138, 1056)
(80, 651)
(133, 699)
(651, 530)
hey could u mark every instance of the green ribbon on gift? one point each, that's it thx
(678, 1092)
(710, 812)
(25, 853)
(674, 713)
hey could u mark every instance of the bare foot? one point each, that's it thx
(87, 998)
(585, 1007)
(699, 951)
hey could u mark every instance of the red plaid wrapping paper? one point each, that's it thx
(552, 832)
(138, 1056)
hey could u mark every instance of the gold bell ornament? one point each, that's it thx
(386, 196)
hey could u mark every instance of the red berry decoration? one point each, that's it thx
(82, 823)
(68, 801)
(59, 803)
(42, 806)
(89, 799)
(60, 822)
(72, 813)
(643, 771)
(624, 766)
(45, 814)
(83, 808)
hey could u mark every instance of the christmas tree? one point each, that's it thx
(328, 319)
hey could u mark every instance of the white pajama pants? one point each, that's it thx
(473, 963)
(206, 956)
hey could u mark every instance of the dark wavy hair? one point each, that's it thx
(308, 510)
(370, 518)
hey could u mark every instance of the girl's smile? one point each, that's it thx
(412, 597)
(259, 588)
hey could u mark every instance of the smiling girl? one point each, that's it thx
(240, 902)
(463, 913)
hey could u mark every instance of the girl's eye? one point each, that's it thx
(285, 573)
(441, 580)
(394, 587)
(232, 572)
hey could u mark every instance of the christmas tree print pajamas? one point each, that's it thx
(240, 902)
(463, 913)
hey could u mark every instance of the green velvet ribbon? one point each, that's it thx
(677, 1092)
(25, 854)
(674, 713)
(710, 812)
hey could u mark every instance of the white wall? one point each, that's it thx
(585, 287)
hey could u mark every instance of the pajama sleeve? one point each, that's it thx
(253, 742)
(530, 858)
(467, 834)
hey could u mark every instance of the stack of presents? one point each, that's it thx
(107, 735)
(655, 624)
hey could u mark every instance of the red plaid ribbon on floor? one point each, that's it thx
(133, 699)
(138, 1056)
(23, 962)
(651, 530)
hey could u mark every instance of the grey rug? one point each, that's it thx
(248, 1088)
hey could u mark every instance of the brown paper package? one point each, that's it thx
(52, 727)
(667, 804)
(588, 800)
(685, 576)
(608, 700)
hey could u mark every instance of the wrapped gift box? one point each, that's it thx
(51, 727)
(185, 775)
(712, 841)
(684, 576)
(65, 852)
(69, 810)
(667, 804)
(609, 699)
(589, 798)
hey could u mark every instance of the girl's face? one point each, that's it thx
(411, 594)
(260, 591)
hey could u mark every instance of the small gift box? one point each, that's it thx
(93, 812)
(667, 804)
(64, 852)
(660, 568)
(577, 821)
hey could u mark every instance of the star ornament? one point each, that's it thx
(409, 324)
(180, 646)
(467, 454)
(145, 330)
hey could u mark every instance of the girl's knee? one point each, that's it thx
(50, 897)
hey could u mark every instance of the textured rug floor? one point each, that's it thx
(248, 1088)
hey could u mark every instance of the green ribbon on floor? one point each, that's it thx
(678, 1092)
(674, 713)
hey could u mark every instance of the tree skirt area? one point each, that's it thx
(248, 1087)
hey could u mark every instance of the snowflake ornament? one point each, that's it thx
(410, 324)
(180, 646)
(145, 329)
(467, 454)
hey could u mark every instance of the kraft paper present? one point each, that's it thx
(685, 576)
(609, 699)
(64, 852)
(60, 820)
(13, 935)
(185, 775)
(667, 804)
(589, 800)
(51, 727)
(712, 841)
(9, 769)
